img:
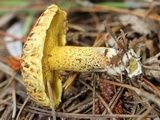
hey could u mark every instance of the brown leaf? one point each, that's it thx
(118, 108)
(14, 63)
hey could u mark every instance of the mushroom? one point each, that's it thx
(44, 56)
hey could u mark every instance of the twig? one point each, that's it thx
(6, 69)
(66, 103)
(99, 8)
(154, 59)
(51, 100)
(38, 111)
(152, 86)
(70, 80)
(23, 105)
(12, 12)
(3, 101)
(146, 113)
(83, 105)
(94, 93)
(116, 98)
(118, 84)
(9, 81)
(7, 113)
(149, 96)
(151, 67)
(2, 33)
(102, 100)
(152, 7)
(14, 99)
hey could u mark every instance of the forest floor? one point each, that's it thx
(89, 95)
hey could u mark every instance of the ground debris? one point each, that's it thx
(91, 95)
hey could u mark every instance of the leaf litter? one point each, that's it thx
(93, 95)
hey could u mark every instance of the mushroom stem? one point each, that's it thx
(80, 59)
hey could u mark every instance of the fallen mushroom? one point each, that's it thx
(44, 56)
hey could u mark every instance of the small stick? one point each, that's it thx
(51, 100)
(23, 105)
(14, 99)
(152, 86)
(138, 91)
(146, 113)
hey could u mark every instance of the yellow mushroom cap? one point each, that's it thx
(49, 31)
